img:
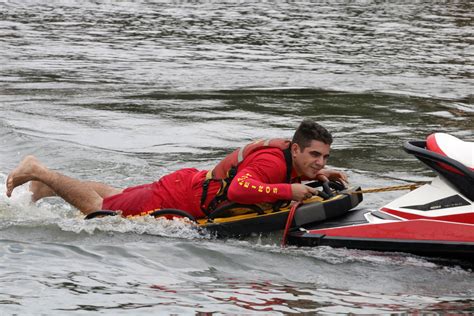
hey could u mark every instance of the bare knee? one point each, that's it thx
(91, 206)
(102, 189)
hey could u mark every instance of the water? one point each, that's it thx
(126, 92)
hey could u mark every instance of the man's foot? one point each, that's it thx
(23, 173)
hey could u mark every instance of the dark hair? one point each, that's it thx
(310, 130)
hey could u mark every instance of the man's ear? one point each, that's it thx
(295, 148)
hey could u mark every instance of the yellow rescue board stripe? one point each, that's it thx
(269, 212)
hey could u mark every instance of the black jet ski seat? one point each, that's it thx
(448, 156)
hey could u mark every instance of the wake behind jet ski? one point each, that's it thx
(437, 219)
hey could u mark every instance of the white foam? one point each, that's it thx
(178, 228)
(19, 208)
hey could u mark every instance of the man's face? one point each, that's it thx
(309, 161)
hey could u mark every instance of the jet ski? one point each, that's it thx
(435, 220)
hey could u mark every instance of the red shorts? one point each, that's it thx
(178, 190)
(134, 200)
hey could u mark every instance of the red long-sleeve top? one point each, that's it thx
(261, 178)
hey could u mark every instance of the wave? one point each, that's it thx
(284, 91)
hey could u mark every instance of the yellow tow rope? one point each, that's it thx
(410, 187)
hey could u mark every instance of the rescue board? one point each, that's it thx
(242, 221)
(238, 220)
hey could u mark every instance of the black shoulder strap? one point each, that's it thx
(205, 187)
(289, 163)
(289, 166)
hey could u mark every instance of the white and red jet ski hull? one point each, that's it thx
(436, 219)
(420, 236)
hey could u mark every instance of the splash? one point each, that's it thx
(18, 210)
(177, 228)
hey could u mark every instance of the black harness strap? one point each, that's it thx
(289, 167)
(205, 188)
(221, 194)
(289, 163)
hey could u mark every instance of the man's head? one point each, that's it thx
(310, 148)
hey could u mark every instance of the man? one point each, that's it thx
(266, 174)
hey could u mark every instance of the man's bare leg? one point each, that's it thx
(41, 190)
(76, 192)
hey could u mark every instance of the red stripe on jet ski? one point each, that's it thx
(432, 145)
(465, 218)
(405, 230)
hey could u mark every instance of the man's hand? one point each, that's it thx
(301, 192)
(332, 175)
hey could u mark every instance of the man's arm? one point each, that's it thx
(247, 188)
(262, 181)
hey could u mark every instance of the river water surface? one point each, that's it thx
(127, 92)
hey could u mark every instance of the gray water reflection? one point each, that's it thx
(112, 271)
(150, 274)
